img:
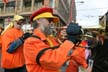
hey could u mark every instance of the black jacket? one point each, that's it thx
(101, 57)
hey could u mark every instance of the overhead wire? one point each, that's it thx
(92, 9)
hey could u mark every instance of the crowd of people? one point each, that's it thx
(73, 50)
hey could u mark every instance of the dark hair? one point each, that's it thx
(101, 31)
(34, 24)
(94, 34)
(21, 21)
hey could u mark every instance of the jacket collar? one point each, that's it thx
(40, 34)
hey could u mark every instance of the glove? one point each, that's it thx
(14, 45)
(17, 43)
(74, 39)
(25, 36)
(73, 29)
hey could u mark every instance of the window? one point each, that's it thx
(10, 7)
(7, 20)
(38, 4)
(27, 5)
(1, 22)
(1, 8)
(52, 3)
(62, 11)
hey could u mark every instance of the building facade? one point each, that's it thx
(65, 9)
(72, 16)
(103, 21)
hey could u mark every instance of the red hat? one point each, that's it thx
(44, 13)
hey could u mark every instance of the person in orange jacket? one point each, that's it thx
(78, 59)
(13, 62)
(40, 55)
(1, 29)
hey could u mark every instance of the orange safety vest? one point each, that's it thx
(78, 59)
(51, 60)
(15, 59)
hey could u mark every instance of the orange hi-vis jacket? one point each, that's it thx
(78, 59)
(16, 59)
(0, 41)
(51, 60)
(0, 49)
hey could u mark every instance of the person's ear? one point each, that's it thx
(38, 21)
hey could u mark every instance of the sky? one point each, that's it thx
(88, 12)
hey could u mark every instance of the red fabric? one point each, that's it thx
(6, 1)
(84, 43)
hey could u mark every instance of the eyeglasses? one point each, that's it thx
(50, 20)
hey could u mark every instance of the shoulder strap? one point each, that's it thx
(35, 36)
(42, 52)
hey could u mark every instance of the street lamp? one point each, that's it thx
(80, 2)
